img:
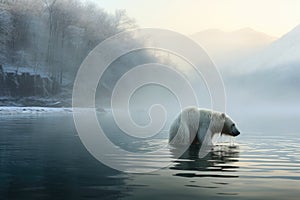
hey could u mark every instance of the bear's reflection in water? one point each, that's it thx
(222, 158)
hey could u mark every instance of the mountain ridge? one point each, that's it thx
(285, 51)
(228, 48)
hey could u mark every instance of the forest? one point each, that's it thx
(52, 37)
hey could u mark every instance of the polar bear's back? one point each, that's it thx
(185, 126)
(192, 121)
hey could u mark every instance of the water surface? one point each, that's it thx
(42, 157)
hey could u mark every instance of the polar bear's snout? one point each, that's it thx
(235, 132)
(230, 128)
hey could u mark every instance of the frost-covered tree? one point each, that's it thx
(54, 35)
(5, 34)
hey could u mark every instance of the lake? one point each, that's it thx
(42, 157)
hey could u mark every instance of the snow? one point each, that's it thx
(13, 110)
(32, 71)
(6, 110)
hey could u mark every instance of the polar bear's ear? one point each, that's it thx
(223, 115)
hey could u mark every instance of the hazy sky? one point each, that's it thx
(274, 17)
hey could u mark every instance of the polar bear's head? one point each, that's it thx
(229, 127)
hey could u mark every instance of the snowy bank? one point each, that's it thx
(6, 110)
(14, 110)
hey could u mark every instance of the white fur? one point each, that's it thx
(194, 121)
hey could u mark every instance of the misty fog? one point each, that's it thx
(52, 38)
(262, 86)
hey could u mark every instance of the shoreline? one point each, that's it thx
(12, 110)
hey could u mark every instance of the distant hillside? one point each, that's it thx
(274, 72)
(284, 52)
(227, 48)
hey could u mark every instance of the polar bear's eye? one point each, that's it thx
(233, 124)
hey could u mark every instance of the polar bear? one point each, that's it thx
(193, 124)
